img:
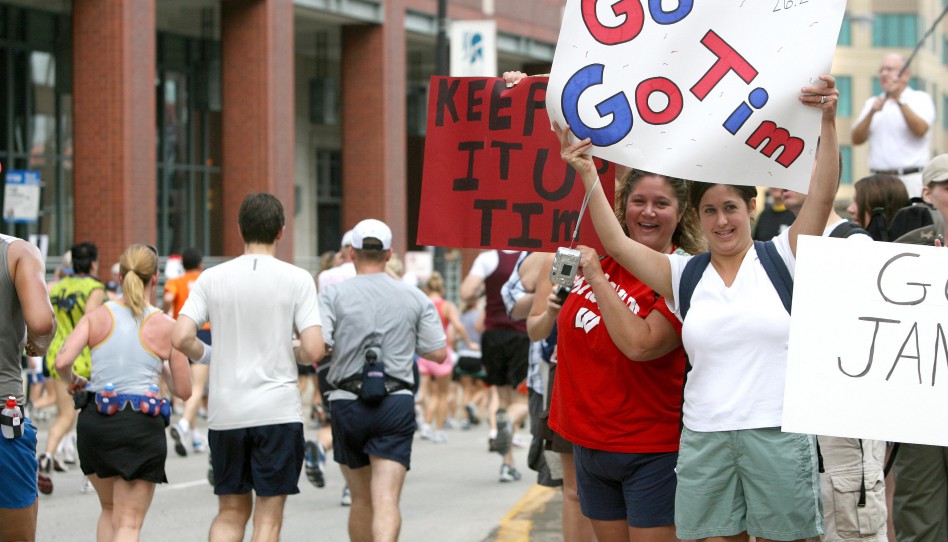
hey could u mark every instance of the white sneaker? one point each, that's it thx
(346, 497)
(426, 432)
(86, 488)
(66, 451)
(439, 437)
(180, 432)
(508, 474)
(198, 442)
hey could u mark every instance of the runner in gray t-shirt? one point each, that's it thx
(376, 307)
(397, 321)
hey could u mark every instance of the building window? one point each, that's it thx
(36, 117)
(329, 198)
(895, 30)
(189, 145)
(846, 32)
(846, 153)
(844, 84)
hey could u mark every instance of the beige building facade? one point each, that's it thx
(871, 29)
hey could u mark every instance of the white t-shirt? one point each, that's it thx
(892, 145)
(253, 304)
(736, 338)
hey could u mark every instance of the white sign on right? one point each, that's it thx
(868, 350)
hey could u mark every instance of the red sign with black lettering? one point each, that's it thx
(493, 176)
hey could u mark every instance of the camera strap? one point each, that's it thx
(582, 211)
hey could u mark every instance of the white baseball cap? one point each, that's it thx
(346, 240)
(371, 228)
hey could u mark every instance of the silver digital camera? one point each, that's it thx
(565, 265)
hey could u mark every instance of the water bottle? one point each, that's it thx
(149, 404)
(108, 400)
(12, 421)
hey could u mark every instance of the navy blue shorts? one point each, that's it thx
(639, 488)
(267, 459)
(384, 430)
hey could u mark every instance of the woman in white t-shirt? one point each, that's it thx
(738, 474)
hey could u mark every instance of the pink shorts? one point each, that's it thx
(434, 369)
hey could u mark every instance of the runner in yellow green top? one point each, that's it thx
(72, 297)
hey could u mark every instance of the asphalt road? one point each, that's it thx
(451, 494)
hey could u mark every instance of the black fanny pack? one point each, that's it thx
(376, 388)
(372, 384)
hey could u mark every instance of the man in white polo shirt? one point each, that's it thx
(897, 124)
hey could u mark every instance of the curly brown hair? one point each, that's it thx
(687, 235)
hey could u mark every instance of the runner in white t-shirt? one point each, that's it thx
(255, 423)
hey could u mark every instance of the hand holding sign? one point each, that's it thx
(576, 154)
(824, 98)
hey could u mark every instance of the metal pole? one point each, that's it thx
(922, 41)
(441, 68)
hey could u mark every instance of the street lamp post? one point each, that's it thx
(441, 68)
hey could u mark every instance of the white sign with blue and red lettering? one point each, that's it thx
(707, 91)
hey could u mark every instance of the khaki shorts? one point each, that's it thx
(761, 481)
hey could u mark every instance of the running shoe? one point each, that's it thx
(44, 481)
(66, 450)
(426, 431)
(198, 442)
(472, 418)
(438, 437)
(508, 473)
(314, 460)
(346, 497)
(502, 442)
(86, 488)
(179, 433)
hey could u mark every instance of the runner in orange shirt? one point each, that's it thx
(176, 293)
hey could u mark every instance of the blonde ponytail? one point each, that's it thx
(138, 264)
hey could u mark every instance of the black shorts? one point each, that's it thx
(267, 459)
(127, 444)
(505, 354)
(384, 430)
